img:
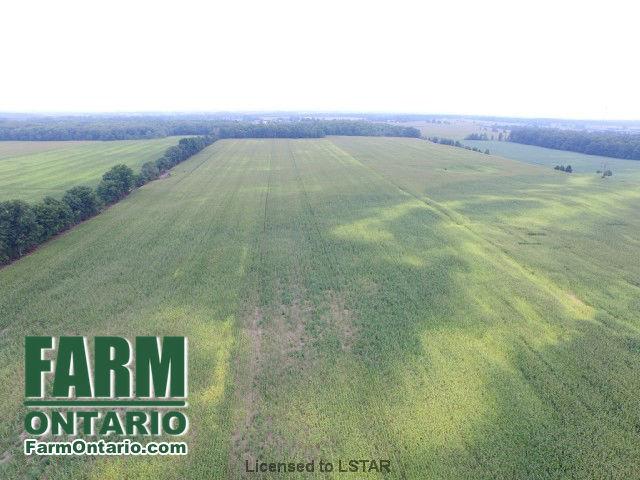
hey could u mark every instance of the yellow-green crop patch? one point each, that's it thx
(459, 314)
(33, 170)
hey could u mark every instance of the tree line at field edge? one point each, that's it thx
(24, 226)
(144, 127)
(606, 144)
(456, 143)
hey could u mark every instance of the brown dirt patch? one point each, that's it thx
(279, 347)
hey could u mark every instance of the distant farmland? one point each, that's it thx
(10, 149)
(454, 129)
(580, 162)
(33, 170)
(463, 315)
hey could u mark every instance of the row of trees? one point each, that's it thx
(456, 143)
(143, 127)
(24, 226)
(98, 128)
(477, 136)
(485, 137)
(608, 144)
(562, 168)
(311, 128)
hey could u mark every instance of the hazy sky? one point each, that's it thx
(527, 58)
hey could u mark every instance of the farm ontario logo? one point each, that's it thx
(128, 389)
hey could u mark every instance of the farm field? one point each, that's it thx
(549, 157)
(10, 149)
(33, 170)
(454, 129)
(463, 315)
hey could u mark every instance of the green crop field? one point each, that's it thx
(33, 170)
(548, 157)
(463, 315)
(9, 149)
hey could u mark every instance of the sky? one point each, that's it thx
(565, 59)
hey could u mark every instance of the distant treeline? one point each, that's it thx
(144, 127)
(99, 128)
(314, 129)
(477, 136)
(24, 226)
(486, 137)
(608, 144)
(456, 143)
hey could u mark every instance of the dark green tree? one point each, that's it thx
(19, 231)
(109, 191)
(83, 203)
(115, 184)
(122, 175)
(149, 171)
(163, 164)
(52, 216)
